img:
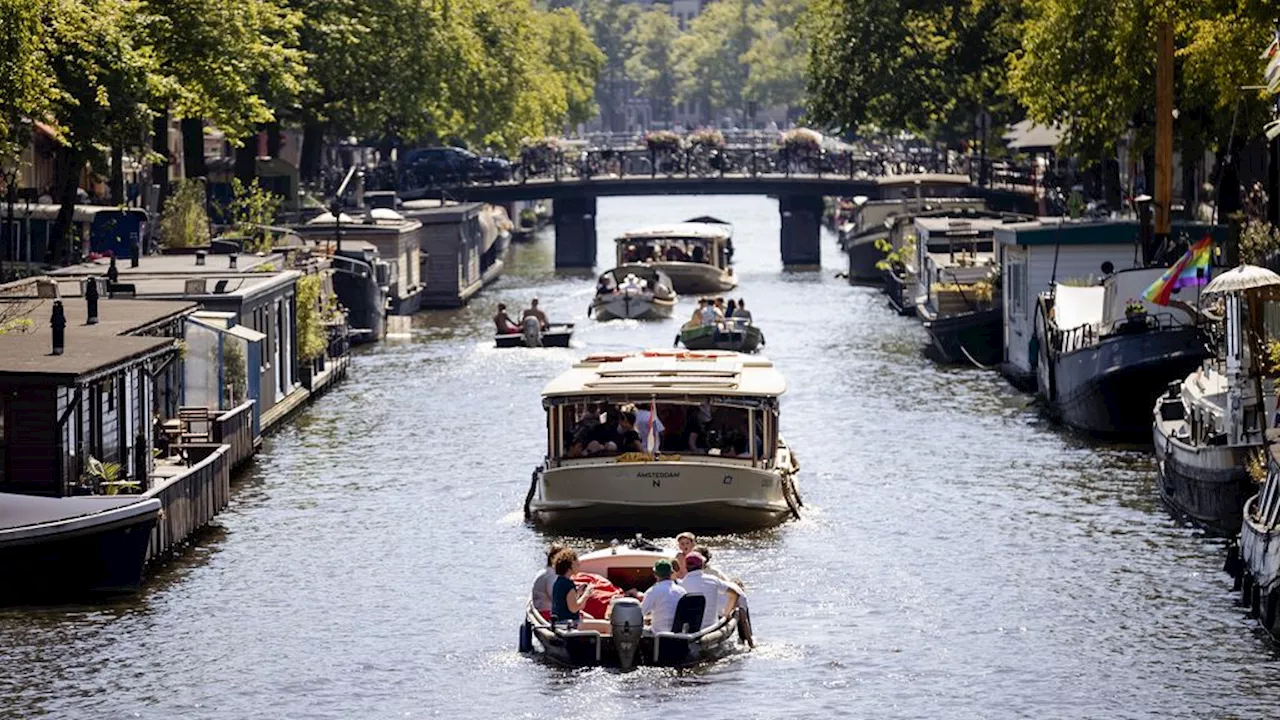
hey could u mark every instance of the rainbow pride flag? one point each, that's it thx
(1192, 269)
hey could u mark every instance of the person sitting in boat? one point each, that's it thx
(607, 285)
(675, 253)
(659, 603)
(630, 438)
(744, 615)
(685, 541)
(693, 436)
(631, 255)
(721, 598)
(604, 437)
(504, 323)
(741, 312)
(645, 420)
(699, 254)
(709, 314)
(730, 308)
(534, 312)
(542, 582)
(568, 598)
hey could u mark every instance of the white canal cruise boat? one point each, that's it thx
(694, 254)
(739, 474)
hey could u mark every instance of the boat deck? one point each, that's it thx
(26, 510)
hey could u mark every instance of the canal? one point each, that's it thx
(959, 557)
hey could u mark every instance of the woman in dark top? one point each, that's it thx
(567, 599)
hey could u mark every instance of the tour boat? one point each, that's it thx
(694, 254)
(1208, 425)
(736, 335)
(556, 335)
(621, 638)
(633, 292)
(1105, 355)
(740, 475)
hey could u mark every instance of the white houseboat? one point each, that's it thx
(695, 254)
(717, 462)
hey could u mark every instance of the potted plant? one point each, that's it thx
(662, 141)
(1135, 310)
(801, 139)
(706, 138)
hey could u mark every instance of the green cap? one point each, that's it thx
(662, 568)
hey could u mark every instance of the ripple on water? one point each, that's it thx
(959, 557)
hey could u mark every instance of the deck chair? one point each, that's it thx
(197, 424)
(689, 613)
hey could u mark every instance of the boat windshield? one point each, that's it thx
(602, 427)
(673, 249)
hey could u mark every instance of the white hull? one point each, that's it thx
(638, 306)
(699, 491)
(696, 278)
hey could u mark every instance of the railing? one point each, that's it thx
(190, 501)
(1085, 336)
(235, 428)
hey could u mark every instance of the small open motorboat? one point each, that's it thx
(621, 639)
(739, 336)
(556, 335)
(633, 292)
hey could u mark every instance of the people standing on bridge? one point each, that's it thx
(533, 312)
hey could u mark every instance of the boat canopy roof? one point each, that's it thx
(668, 373)
(679, 231)
(644, 272)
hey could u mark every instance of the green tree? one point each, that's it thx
(651, 63)
(609, 22)
(23, 76)
(573, 60)
(776, 59)
(710, 56)
(103, 77)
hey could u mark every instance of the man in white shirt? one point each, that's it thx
(543, 581)
(721, 598)
(659, 603)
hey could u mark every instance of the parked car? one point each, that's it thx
(445, 165)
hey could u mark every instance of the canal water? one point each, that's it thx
(958, 556)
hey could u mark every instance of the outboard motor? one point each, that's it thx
(532, 330)
(627, 622)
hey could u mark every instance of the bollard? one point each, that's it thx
(59, 324)
(91, 299)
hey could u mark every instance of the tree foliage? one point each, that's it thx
(651, 63)
(710, 56)
(23, 77)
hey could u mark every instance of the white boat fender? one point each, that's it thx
(626, 620)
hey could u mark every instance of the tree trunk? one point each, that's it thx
(312, 146)
(246, 163)
(116, 182)
(70, 162)
(1228, 190)
(193, 165)
(273, 139)
(160, 146)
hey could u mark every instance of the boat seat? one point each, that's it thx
(689, 613)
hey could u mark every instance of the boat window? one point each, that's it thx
(599, 428)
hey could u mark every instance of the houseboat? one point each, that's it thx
(619, 637)
(694, 254)
(1037, 254)
(873, 222)
(1255, 561)
(635, 292)
(714, 460)
(1210, 426)
(955, 291)
(1107, 354)
(398, 241)
(454, 243)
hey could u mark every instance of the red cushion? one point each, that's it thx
(602, 591)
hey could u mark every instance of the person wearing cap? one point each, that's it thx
(721, 598)
(659, 603)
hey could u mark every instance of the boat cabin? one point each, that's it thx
(398, 241)
(696, 242)
(952, 254)
(719, 406)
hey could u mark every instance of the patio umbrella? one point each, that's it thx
(1245, 277)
